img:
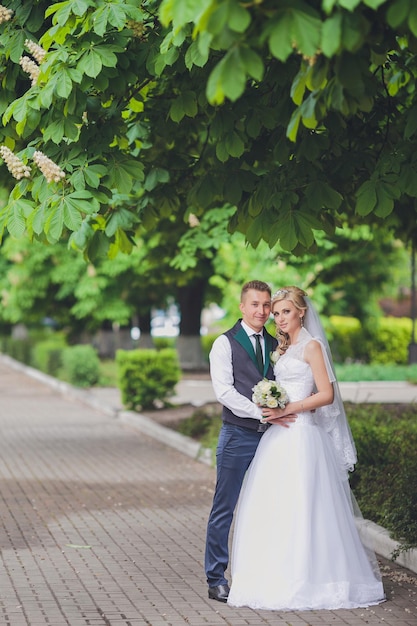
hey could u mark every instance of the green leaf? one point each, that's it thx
(72, 216)
(321, 195)
(123, 242)
(195, 55)
(298, 86)
(280, 40)
(46, 94)
(239, 18)
(254, 231)
(97, 246)
(123, 174)
(181, 12)
(79, 239)
(292, 128)
(83, 200)
(120, 219)
(408, 180)
(412, 19)
(397, 13)
(374, 4)
(215, 89)
(116, 15)
(253, 63)
(221, 152)
(108, 57)
(155, 176)
(16, 218)
(90, 64)
(293, 227)
(62, 11)
(15, 46)
(18, 109)
(54, 224)
(234, 144)
(72, 129)
(79, 7)
(190, 103)
(55, 131)
(185, 104)
(93, 176)
(385, 202)
(350, 5)
(306, 31)
(176, 111)
(228, 78)
(78, 180)
(366, 198)
(100, 19)
(331, 35)
(64, 84)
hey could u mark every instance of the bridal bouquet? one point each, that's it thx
(269, 393)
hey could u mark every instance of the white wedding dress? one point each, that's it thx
(296, 545)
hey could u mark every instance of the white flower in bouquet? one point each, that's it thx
(274, 356)
(269, 393)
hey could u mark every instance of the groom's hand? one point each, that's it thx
(282, 421)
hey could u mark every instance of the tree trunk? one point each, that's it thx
(144, 323)
(190, 302)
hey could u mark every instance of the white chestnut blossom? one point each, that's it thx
(5, 14)
(31, 68)
(36, 50)
(193, 220)
(15, 165)
(49, 169)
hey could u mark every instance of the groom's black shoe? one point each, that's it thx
(220, 593)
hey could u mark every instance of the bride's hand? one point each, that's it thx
(277, 416)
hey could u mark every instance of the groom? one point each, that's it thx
(235, 369)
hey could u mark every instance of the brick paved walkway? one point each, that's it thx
(103, 526)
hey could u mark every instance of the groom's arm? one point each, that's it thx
(221, 372)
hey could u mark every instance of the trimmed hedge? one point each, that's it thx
(80, 365)
(47, 354)
(147, 377)
(385, 342)
(385, 478)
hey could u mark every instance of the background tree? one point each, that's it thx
(293, 119)
(297, 114)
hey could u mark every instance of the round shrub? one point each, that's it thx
(147, 377)
(81, 365)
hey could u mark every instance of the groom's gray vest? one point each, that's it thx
(245, 370)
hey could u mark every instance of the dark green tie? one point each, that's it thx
(258, 353)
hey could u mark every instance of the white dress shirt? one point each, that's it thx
(221, 372)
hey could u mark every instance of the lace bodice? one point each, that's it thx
(295, 375)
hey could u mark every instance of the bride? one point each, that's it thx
(296, 545)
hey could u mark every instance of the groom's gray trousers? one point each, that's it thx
(235, 450)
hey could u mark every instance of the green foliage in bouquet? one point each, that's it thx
(147, 377)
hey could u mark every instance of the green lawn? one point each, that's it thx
(351, 372)
(355, 372)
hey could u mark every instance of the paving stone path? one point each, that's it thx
(101, 525)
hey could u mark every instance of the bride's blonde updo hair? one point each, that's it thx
(296, 296)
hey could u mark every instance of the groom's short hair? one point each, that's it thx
(257, 285)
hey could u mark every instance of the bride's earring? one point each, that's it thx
(302, 321)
